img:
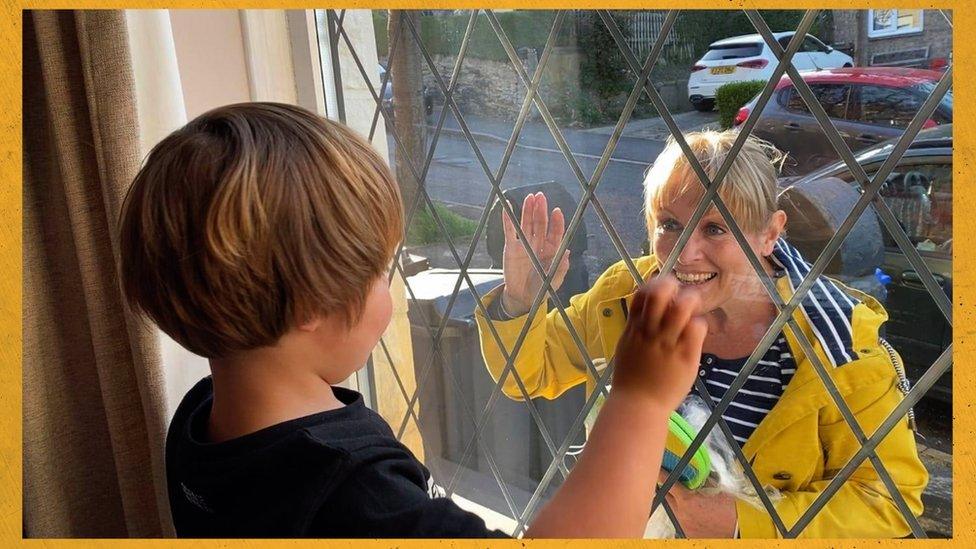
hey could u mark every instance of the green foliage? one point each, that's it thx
(731, 97)
(442, 34)
(605, 78)
(380, 20)
(424, 230)
(702, 27)
(604, 81)
(523, 28)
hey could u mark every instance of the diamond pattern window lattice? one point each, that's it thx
(479, 443)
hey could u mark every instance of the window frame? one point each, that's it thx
(791, 90)
(478, 506)
(857, 94)
(818, 46)
(889, 32)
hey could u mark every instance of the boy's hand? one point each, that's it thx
(656, 361)
(657, 356)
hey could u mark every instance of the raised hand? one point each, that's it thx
(657, 355)
(544, 233)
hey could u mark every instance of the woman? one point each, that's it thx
(787, 424)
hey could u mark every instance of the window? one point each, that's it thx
(453, 158)
(893, 22)
(909, 57)
(893, 107)
(920, 196)
(942, 115)
(812, 45)
(733, 51)
(833, 97)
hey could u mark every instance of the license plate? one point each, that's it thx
(723, 70)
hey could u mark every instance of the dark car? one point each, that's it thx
(387, 99)
(866, 105)
(919, 193)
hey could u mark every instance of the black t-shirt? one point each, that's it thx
(338, 473)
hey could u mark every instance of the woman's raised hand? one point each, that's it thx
(544, 233)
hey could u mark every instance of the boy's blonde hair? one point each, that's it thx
(253, 218)
(749, 189)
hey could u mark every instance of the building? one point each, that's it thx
(895, 37)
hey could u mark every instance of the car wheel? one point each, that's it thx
(704, 106)
(847, 65)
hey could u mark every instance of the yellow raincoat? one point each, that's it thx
(797, 448)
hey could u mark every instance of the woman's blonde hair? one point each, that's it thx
(749, 189)
(253, 218)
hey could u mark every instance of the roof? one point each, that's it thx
(937, 140)
(931, 138)
(749, 38)
(884, 76)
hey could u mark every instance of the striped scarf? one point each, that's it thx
(827, 308)
(829, 311)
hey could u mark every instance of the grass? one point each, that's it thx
(424, 230)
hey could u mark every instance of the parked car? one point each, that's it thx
(867, 106)
(387, 100)
(919, 193)
(743, 58)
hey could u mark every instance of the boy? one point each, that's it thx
(259, 236)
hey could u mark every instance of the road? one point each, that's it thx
(456, 175)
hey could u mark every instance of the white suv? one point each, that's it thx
(747, 57)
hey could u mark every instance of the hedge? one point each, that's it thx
(731, 97)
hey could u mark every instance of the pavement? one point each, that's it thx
(937, 498)
(655, 129)
(934, 443)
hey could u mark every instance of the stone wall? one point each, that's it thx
(492, 88)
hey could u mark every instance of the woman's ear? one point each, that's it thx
(775, 229)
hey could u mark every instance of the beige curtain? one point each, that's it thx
(94, 420)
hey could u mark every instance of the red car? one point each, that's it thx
(867, 105)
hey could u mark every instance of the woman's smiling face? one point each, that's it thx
(711, 262)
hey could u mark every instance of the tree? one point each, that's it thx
(408, 105)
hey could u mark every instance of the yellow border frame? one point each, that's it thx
(11, 253)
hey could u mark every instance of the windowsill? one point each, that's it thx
(476, 485)
(897, 34)
(493, 520)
